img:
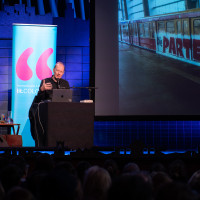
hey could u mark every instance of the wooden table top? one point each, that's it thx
(8, 124)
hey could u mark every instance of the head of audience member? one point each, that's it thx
(66, 166)
(59, 185)
(10, 176)
(3, 162)
(21, 162)
(131, 168)
(176, 191)
(19, 193)
(177, 171)
(159, 179)
(81, 169)
(129, 186)
(96, 183)
(194, 181)
(58, 70)
(2, 191)
(44, 162)
(112, 167)
(158, 167)
(34, 180)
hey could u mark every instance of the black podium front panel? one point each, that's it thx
(71, 123)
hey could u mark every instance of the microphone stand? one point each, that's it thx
(58, 82)
(89, 89)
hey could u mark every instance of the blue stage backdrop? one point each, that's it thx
(33, 58)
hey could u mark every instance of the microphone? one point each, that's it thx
(58, 82)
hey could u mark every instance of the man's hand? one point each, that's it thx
(46, 86)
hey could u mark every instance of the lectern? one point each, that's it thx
(71, 123)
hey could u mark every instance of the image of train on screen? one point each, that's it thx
(176, 35)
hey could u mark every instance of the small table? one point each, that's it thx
(11, 125)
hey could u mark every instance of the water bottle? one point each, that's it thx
(2, 117)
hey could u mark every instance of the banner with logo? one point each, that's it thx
(33, 58)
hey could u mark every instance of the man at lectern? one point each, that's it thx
(54, 82)
(45, 93)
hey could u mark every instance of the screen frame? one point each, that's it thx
(94, 70)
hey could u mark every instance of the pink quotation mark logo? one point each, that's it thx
(25, 73)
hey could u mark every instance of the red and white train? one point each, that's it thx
(176, 35)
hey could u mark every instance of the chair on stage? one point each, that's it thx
(8, 140)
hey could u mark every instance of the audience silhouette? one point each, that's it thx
(44, 176)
